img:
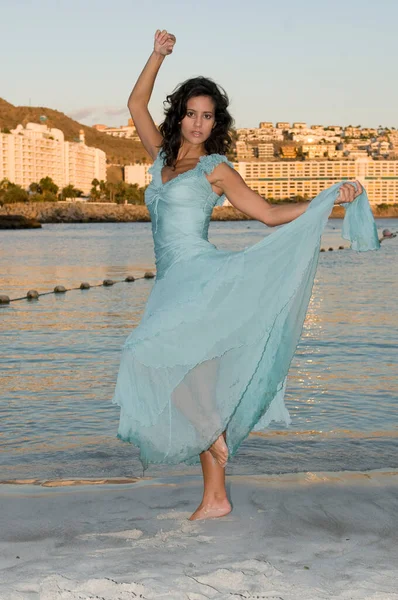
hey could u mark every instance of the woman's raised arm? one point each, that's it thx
(139, 98)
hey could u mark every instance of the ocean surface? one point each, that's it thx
(60, 355)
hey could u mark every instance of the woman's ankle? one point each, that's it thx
(214, 497)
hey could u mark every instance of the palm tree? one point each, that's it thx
(48, 185)
(35, 188)
(70, 191)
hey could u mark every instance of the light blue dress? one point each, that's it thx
(220, 328)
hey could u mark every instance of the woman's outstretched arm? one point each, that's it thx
(139, 98)
(256, 207)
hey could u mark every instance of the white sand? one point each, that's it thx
(306, 536)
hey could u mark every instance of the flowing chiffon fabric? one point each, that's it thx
(220, 328)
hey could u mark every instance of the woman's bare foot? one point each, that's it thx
(219, 451)
(212, 510)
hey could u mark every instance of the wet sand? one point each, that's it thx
(296, 536)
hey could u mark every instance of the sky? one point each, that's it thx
(322, 62)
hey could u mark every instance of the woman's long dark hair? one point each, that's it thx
(219, 140)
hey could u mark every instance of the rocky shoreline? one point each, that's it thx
(18, 222)
(87, 212)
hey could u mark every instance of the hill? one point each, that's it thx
(118, 151)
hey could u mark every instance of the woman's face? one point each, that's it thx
(199, 120)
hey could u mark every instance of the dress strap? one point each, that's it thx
(157, 163)
(208, 163)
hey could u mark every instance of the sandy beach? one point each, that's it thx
(310, 535)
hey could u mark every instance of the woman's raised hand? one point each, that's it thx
(348, 192)
(164, 42)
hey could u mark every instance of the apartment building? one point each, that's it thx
(83, 164)
(265, 151)
(312, 151)
(124, 131)
(29, 153)
(261, 134)
(280, 180)
(244, 151)
(138, 174)
(352, 132)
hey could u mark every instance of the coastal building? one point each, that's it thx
(353, 138)
(28, 154)
(336, 129)
(286, 179)
(281, 180)
(261, 134)
(268, 135)
(137, 174)
(352, 132)
(265, 151)
(83, 164)
(307, 136)
(357, 153)
(260, 150)
(124, 131)
(312, 151)
(381, 149)
(31, 153)
(244, 151)
(289, 151)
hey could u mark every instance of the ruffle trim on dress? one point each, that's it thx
(205, 165)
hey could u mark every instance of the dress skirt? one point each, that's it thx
(218, 334)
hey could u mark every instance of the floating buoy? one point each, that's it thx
(32, 295)
(60, 289)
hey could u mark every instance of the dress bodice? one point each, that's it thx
(180, 210)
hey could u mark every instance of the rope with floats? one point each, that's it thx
(60, 289)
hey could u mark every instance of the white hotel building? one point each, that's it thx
(285, 179)
(28, 154)
(138, 174)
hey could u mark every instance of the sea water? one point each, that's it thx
(60, 355)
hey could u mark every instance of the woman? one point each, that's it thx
(208, 362)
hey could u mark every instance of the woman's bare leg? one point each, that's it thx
(214, 502)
